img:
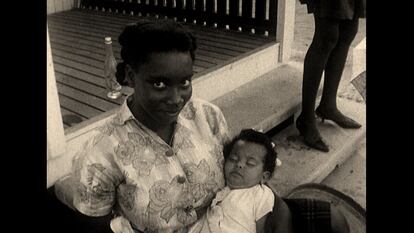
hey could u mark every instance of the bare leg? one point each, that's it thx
(324, 41)
(333, 73)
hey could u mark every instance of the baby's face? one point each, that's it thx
(244, 166)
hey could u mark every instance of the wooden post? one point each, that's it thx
(56, 141)
(285, 28)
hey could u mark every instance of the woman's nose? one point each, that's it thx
(175, 97)
(240, 164)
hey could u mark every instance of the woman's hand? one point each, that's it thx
(121, 225)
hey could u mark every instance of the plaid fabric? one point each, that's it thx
(310, 216)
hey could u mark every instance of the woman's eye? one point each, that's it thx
(186, 83)
(159, 85)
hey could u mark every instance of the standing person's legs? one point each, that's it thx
(333, 73)
(324, 41)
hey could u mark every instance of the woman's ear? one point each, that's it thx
(130, 75)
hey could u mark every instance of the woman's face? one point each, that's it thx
(162, 87)
(244, 166)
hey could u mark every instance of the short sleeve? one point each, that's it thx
(96, 177)
(264, 201)
(216, 122)
(224, 133)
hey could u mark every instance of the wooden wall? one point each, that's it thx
(60, 5)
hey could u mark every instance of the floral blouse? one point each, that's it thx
(128, 168)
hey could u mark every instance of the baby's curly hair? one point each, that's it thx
(251, 135)
(139, 40)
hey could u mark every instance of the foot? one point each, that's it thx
(311, 136)
(337, 117)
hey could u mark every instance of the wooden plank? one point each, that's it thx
(80, 55)
(199, 64)
(79, 74)
(79, 66)
(86, 98)
(75, 39)
(69, 118)
(218, 58)
(78, 107)
(86, 87)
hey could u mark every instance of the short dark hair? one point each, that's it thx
(251, 135)
(139, 40)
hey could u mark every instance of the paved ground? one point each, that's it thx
(350, 177)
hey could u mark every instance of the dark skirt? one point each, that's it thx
(337, 9)
(310, 216)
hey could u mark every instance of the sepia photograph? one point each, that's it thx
(206, 116)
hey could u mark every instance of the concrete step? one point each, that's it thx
(350, 177)
(265, 102)
(216, 82)
(301, 164)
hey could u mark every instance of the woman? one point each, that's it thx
(159, 161)
(336, 24)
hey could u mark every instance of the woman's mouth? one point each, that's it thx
(172, 113)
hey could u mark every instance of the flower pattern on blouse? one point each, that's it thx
(124, 152)
(144, 162)
(141, 142)
(171, 198)
(127, 163)
(202, 182)
(127, 195)
(211, 117)
(108, 128)
(189, 112)
(217, 152)
(183, 142)
(99, 191)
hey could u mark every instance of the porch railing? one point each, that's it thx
(251, 16)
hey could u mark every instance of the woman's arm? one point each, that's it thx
(280, 220)
(261, 224)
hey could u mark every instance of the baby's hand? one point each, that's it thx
(121, 225)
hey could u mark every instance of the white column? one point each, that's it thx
(56, 141)
(285, 28)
